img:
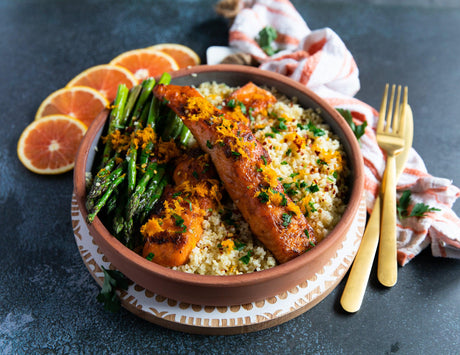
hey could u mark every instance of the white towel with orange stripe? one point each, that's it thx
(320, 60)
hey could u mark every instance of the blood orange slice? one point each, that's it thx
(105, 78)
(146, 62)
(80, 102)
(183, 55)
(49, 145)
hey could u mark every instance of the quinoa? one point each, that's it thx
(311, 165)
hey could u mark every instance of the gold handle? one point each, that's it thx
(387, 267)
(354, 290)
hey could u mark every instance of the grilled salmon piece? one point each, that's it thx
(243, 167)
(171, 235)
(255, 99)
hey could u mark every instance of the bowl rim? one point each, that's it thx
(252, 278)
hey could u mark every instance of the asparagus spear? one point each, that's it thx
(173, 126)
(128, 233)
(112, 202)
(116, 116)
(101, 176)
(105, 180)
(152, 200)
(152, 118)
(118, 225)
(165, 78)
(139, 115)
(98, 188)
(131, 156)
(151, 188)
(97, 207)
(134, 199)
(133, 97)
(184, 135)
(147, 86)
(154, 113)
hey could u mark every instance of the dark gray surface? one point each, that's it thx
(47, 297)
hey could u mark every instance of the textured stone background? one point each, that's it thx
(47, 297)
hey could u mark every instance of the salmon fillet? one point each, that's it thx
(171, 235)
(254, 98)
(242, 164)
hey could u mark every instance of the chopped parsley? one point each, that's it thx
(317, 132)
(263, 197)
(113, 279)
(289, 189)
(282, 126)
(231, 103)
(321, 162)
(403, 204)
(227, 218)
(150, 256)
(179, 221)
(236, 154)
(358, 130)
(245, 259)
(288, 152)
(238, 245)
(208, 144)
(183, 230)
(419, 210)
(275, 129)
(283, 200)
(251, 109)
(242, 107)
(189, 204)
(266, 37)
(264, 159)
(313, 188)
(286, 217)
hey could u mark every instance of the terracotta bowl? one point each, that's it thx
(237, 289)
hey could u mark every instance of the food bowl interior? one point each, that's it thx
(234, 75)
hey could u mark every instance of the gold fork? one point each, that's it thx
(390, 137)
(355, 288)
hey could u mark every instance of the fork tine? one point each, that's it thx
(390, 110)
(382, 111)
(396, 116)
(400, 129)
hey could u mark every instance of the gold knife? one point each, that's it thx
(354, 290)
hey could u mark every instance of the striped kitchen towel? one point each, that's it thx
(320, 60)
